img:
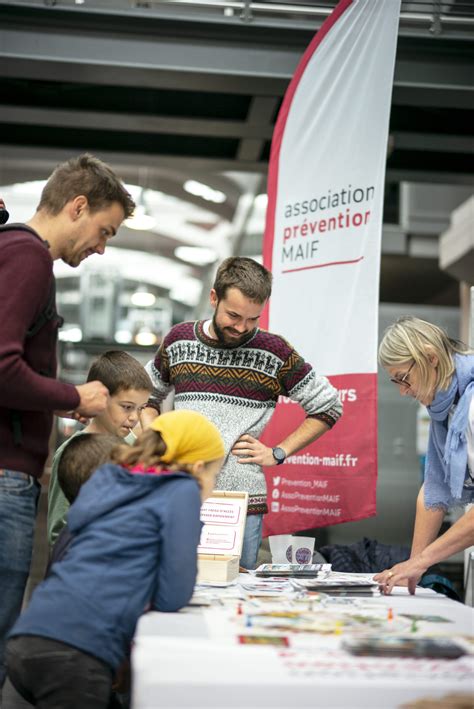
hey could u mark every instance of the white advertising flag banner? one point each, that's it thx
(322, 243)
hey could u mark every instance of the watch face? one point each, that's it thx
(279, 454)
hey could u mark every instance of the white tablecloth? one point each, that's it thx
(192, 659)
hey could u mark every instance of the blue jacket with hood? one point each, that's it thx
(135, 545)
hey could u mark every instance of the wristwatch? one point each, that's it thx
(279, 455)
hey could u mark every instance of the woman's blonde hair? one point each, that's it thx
(411, 339)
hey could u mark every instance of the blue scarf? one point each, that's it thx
(446, 459)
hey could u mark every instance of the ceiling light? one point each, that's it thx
(199, 189)
(141, 221)
(143, 298)
(145, 337)
(197, 255)
(73, 334)
(123, 337)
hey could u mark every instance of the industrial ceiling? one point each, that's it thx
(169, 92)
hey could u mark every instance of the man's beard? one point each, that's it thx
(230, 341)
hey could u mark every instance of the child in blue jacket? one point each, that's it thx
(136, 529)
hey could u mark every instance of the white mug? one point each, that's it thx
(280, 548)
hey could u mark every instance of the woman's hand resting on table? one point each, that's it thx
(407, 573)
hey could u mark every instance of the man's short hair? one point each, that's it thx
(88, 176)
(251, 278)
(82, 455)
(118, 370)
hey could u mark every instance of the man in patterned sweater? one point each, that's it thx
(233, 373)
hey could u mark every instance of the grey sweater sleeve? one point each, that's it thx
(318, 398)
(160, 388)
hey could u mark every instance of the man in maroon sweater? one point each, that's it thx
(82, 205)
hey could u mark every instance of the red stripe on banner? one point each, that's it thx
(333, 480)
(320, 160)
(278, 135)
(323, 265)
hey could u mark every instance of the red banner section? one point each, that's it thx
(332, 480)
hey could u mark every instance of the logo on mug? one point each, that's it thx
(303, 555)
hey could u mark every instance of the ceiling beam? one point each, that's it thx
(196, 56)
(415, 94)
(135, 122)
(429, 176)
(38, 163)
(254, 131)
(262, 110)
(439, 143)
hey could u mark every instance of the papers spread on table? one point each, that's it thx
(314, 634)
(341, 584)
(320, 578)
(293, 570)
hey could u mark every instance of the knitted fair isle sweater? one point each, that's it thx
(237, 388)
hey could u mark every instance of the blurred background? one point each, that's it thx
(181, 98)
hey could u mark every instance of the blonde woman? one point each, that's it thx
(424, 363)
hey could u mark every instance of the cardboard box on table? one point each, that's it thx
(224, 515)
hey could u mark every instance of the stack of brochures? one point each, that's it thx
(337, 584)
(393, 646)
(308, 571)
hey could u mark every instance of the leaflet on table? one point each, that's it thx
(445, 648)
(340, 584)
(223, 516)
(293, 570)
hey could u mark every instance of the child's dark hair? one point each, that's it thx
(118, 371)
(147, 450)
(82, 455)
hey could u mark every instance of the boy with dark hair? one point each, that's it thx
(129, 386)
(80, 458)
(119, 370)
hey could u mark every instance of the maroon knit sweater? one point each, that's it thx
(29, 392)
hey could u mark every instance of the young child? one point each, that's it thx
(78, 461)
(136, 529)
(129, 386)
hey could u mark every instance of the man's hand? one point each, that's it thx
(251, 450)
(94, 399)
(73, 415)
(399, 575)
